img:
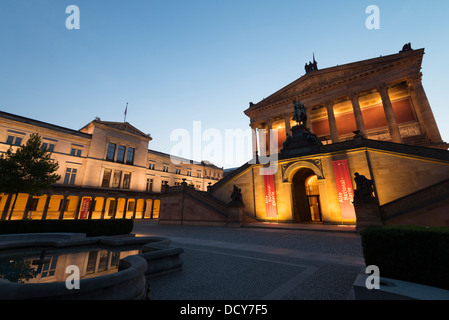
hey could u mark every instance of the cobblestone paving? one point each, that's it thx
(257, 263)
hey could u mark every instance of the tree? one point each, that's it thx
(30, 170)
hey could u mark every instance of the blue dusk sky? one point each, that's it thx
(176, 62)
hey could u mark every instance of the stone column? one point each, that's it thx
(269, 135)
(332, 122)
(115, 208)
(309, 119)
(422, 107)
(125, 210)
(389, 114)
(103, 209)
(6, 207)
(27, 207)
(358, 113)
(47, 204)
(135, 208)
(61, 213)
(262, 141)
(254, 139)
(78, 207)
(288, 128)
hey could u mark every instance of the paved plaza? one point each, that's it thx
(259, 262)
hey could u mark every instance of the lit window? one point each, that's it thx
(126, 180)
(70, 176)
(131, 206)
(106, 178)
(149, 184)
(117, 179)
(49, 269)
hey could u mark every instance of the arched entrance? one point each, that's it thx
(306, 197)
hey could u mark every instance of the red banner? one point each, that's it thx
(270, 195)
(84, 208)
(344, 189)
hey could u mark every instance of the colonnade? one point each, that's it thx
(55, 206)
(416, 92)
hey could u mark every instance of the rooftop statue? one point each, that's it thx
(299, 113)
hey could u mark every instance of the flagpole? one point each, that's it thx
(126, 111)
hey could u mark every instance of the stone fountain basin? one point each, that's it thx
(131, 282)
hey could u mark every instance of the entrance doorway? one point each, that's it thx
(306, 197)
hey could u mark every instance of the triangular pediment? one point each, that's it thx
(121, 126)
(317, 82)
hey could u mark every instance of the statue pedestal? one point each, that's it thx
(236, 215)
(368, 214)
(302, 141)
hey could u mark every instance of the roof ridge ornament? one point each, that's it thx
(311, 66)
(406, 47)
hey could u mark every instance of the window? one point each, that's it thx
(91, 262)
(163, 182)
(66, 207)
(165, 168)
(149, 184)
(48, 146)
(151, 166)
(178, 171)
(34, 204)
(111, 152)
(106, 178)
(49, 269)
(131, 206)
(117, 179)
(14, 140)
(189, 172)
(130, 156)
(126, 180)
(111, 207)
(70, 176)
(76, 152)
(198, 174)
(121, 154)
(103, 261)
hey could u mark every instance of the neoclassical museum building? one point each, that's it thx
(369, 152)
(106, 168)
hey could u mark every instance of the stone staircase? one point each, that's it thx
(432, 199)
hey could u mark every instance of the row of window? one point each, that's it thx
(120, 154)
(116, 179)
(15, 140)
(165, 168)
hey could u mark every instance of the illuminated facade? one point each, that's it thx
(371, 118)
(106, 169)
(383, 98)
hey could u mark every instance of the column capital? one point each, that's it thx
(353, 95)
(382, 88)
(414, 79)
(256, 125)
(328, 104)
